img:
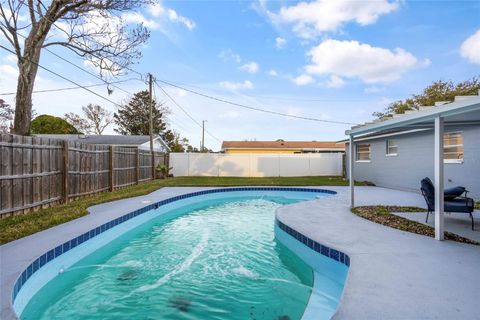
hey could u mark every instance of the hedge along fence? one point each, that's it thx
(37, 172)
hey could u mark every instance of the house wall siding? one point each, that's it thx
(415, 161)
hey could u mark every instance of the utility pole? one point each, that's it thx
(150, 127)
(202, 147)
(203, 137)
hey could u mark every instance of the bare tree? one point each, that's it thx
(78, 122)
(95, 119)
(93, 29)
(6, 116)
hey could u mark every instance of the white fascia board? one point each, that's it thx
(447, 110)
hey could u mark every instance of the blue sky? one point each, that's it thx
(333, 60)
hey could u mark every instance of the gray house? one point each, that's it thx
(399, 152)
(140, 141)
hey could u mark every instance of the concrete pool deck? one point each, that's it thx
(393, 274)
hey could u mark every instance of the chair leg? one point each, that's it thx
(426, 220)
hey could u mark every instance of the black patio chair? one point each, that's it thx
(451, 193)
(457, 203)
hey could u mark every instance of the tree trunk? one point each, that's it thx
(27, 67)
(23, 103)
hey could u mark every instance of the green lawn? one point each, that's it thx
(16, 227)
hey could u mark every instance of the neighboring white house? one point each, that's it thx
(142, 142)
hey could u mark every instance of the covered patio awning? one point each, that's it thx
(465, 110)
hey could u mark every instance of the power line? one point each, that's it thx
(177, 123)
(253, 108)
(310, 99)
(169, 120)
(90, 73)
(67, 88)
(185, 111)
(188, 115)
(63, 77)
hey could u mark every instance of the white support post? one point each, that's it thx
(439, 198)
(351, 179)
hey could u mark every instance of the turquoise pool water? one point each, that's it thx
(217, 259)
(208, 257)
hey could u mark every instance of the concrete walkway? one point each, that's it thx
(393, 274)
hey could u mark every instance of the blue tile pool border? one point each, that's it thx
(314, 245)
(72, 243)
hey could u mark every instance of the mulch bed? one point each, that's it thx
(383, 215)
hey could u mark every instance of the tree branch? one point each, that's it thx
(11, 36)
(33, 19)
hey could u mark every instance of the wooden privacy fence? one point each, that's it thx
(36, 172)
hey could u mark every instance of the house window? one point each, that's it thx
(453, 147)
(363, 152)
(392, 147)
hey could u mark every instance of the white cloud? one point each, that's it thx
(159, 11)
(280, 42)
(295, 111)
(8, 79)
(19, 17)
(310, 19)
(272, 73)
(175, 17)
(105, 64)
(228, 54)
(11, 58)
(8, 70)
(335, 82)
(470, 48)
(351, 59)
(250, 67)
(303, 80)
(135, 17)
(230, 115)
(235, 86)
(156, 9)
(373, 89)
(180, 92)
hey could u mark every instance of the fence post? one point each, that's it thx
(111, 176)
(137, 164)
(153, 165)
(65, 183)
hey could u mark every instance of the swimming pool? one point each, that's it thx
(206, 256)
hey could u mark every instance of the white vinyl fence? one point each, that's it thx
(256, 165)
